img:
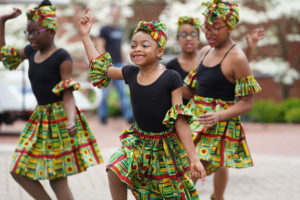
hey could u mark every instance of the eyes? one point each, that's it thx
(185, 35)
(133, 45)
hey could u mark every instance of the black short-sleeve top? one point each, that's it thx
(45, 75)
(150, 103)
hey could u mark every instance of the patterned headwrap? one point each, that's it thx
(45, 15)
(195, 22)
(227, 11)
(156, 29)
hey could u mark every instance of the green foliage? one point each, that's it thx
(268, 111)
(293, 115)
(264, 111)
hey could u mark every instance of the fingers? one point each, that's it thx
(86, 11)
(71, 128)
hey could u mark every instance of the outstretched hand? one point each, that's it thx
(197, 171)
(86, 23)
(13, 14)
(255, 35)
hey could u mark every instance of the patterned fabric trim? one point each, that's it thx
(246, 86)
(65, 84)
(10, 57)
(173, 113)
(191, 80)
(98, 70)
(195, 22)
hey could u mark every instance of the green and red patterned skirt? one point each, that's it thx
(46, 151)
(223, 145)
(153, 165)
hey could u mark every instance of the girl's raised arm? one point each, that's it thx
(85, 25)
(3, 18)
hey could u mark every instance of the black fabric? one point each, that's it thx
(45, 75)
(174, 65)
(212, 82)
(150, 103)
(113, 39)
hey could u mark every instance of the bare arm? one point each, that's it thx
(252, 40)
(185, 136)
(13, 14)
(68, 98)
(187, 92)
(86, 23)
(100, 45)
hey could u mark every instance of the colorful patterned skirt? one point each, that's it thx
(46, 151)
(153, 165)
(223, 145)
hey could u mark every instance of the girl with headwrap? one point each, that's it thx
(56, 141)
(222, 89)
(188, 33)
(157, 158)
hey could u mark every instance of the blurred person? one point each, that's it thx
(110, 40)
(157, 157)
(221, 88)
(188, 37)
(56, 141)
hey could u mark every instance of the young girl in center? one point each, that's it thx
(56, 141)
(157, 152)
(222, 89)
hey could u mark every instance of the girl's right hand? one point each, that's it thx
(13, 14)
(197, 171)
(86, 23)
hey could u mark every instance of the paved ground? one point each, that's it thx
(275, 151)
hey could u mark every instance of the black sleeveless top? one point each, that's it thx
(212, 82)
(150, 103)
(174, 65)
(45, 75)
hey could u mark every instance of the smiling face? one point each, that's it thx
(39, 37)
(144, 50)
(188, 38)
(217, 33)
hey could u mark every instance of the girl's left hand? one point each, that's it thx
(86, 23)
(209, 119)
(71, 128)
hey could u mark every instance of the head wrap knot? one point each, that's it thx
(227, 11)
(195, 22)
(45, 15)
(156, 29)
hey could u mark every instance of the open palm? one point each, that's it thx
(86, 23)
(13, 14)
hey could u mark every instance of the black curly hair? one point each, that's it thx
(45, 3)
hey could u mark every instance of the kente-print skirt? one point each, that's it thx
(153, 165)
(46, 151)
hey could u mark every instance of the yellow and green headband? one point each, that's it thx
(195, 22)
(45, 15)
(156, 29)
(227, 11)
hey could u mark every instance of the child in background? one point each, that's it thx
(188, 33)
(56, 141)
(157, 152)
(222, 89)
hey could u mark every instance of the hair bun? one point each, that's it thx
(45, 3)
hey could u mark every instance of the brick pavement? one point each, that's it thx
(275, 150)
